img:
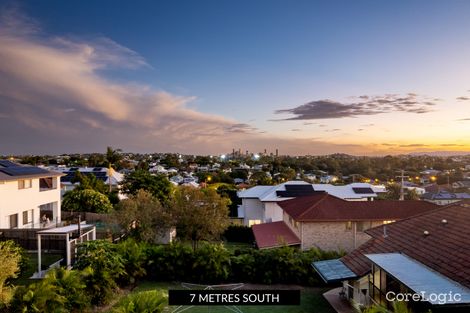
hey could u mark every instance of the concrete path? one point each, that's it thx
(341, 305)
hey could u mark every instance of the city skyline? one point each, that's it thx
(362, 78)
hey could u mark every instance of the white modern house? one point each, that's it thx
(260, 203)
(29, 196)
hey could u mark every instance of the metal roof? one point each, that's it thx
(333, 270)
(271, 193)
(420, 278)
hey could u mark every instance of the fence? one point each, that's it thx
(91, 218)
(26, 237)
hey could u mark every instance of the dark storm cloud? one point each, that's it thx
(365, 105)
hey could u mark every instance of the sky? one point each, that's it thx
(206, 77)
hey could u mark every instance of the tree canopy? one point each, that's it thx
(86, 200)
(200, 214)
(144, 216)
(157, 185)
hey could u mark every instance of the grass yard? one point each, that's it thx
(46, 260)
(312, 300)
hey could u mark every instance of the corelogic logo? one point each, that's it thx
(441, 298)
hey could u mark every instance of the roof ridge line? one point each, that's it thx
(317, 203)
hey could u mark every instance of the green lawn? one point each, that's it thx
(46, 260)
(311, 301)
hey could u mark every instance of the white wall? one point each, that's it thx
(253, 209)
(273, 212)
(14, 200)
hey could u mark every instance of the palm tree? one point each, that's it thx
(113, 157)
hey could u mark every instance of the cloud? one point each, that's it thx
(332, 130)
(464, 119)
(451, 145)
(463, 98)
(56, 96)
(241, 128)
(295, 129)
(413, 145)
(364, 105)
(53, 92)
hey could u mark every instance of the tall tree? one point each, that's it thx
(89, 182)
(158, 185)
(200, 214)
(113, 157)
(144, 216)
(393, 191)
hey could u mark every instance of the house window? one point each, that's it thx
(13, 221)
(47, 183)
(349, 225)
(25, 183)
(254, 222)
(363, 226)
(25, 217)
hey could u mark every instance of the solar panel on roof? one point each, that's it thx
(296, 191)
(362, 190)
(97, 169)
(73, 169)
(6, 163)
(23, 170)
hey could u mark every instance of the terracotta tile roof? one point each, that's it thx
(446, 249)
(329, 208)
(270, 235)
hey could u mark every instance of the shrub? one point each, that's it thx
(239, 233)
(151, 301)
(10, 259)
(214, 264)
(211, 264)
(134, 258)
(70, 285)
(42, 296)
(169, 262)
(107, 267)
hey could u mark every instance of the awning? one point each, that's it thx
(333, 270)
(65, 229)
(421, 279)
